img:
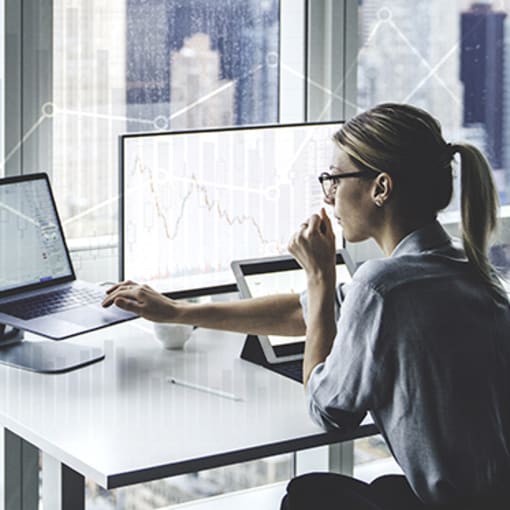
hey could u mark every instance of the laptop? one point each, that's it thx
(273, 275)
(39, 291)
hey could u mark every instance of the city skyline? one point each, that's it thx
(102, 89)
(448, 62)
(242, 33)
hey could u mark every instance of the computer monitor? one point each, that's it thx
(193, 201)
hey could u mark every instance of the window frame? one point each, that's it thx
(28, 86)
(2, 83)
(331, 79)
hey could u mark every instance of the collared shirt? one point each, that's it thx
(424, 348)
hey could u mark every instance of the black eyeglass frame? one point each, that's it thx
(325, 176)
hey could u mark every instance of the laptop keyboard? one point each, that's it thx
(52, 302)
(291, 369)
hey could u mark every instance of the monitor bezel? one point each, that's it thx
(227, 287)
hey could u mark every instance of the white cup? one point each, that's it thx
(172, 336)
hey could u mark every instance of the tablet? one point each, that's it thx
(281, 275)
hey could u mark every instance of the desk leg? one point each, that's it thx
(62, 487)
(315, 459)
(336, 458)
(19, 473)
(341, 458)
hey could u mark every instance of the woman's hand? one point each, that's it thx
(142, 300)
(314, 247)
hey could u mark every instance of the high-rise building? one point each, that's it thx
(404, 59)
(199, 96)
(506, 114)
(89, 92)
(481, 72)
(244, 33)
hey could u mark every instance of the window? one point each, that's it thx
(458, 54)
(130, 65)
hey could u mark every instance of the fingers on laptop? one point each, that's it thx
(125, 283)
(122, 292)
(128, 304)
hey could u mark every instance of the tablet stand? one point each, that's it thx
(253, 352)
(44, 356)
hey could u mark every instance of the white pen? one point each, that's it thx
(205, 389)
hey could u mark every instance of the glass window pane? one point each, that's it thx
(460, 72)
(132, 65)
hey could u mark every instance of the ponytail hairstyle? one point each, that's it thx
(406, 142)
(479, 209)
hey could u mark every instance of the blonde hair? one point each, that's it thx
(407, 143)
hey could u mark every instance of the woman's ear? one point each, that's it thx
(382, 189)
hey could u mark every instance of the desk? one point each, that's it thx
(119, 422)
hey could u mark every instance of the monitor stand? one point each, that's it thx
(45, 356)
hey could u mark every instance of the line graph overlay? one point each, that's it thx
(196, 201)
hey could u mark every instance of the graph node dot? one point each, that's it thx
(384, 14)
(48, 109)
(161, 122)
(272, 193)
(272, 59)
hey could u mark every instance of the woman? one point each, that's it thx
(423, 338)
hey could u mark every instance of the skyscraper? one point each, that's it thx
(89, 92)
(403, 57)
(199, 97)
(481, 72)
(243, 33)
(506, 113)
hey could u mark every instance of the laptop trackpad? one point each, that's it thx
(89, 316)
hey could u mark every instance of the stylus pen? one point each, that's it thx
(205, 389)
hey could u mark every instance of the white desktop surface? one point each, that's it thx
(119, 421)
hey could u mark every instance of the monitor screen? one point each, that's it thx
(194, 201)
(33, 250)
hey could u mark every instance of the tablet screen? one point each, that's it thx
(283, 282)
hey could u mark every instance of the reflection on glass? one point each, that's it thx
(132, 65)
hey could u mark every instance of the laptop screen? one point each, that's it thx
(33, 249)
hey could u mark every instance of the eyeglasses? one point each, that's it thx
(329, 182)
